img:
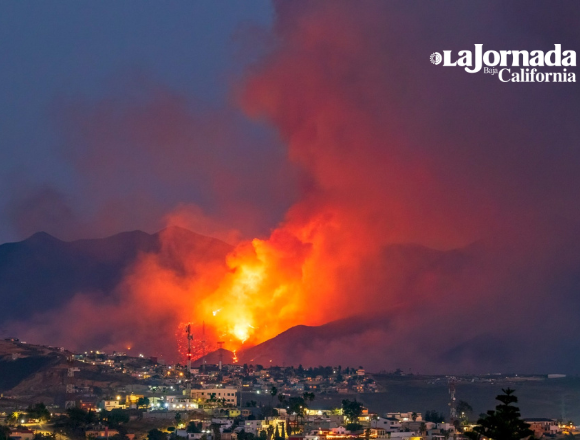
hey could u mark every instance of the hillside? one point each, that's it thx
(43, 272)
(39, 373)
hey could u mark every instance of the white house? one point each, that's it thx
(388, 424)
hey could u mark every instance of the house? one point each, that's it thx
(252, 426)
(104, 433)
(21, 434)
(406, 416)
(542, 426)
(390, 424)
(109, 405)
(227, 395)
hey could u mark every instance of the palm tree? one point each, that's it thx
(12, 418)
(270, 431)
(282, 400)
(273, 392)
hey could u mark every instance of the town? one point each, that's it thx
(101, 395)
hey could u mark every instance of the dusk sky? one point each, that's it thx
(322, 132)
(67, 55)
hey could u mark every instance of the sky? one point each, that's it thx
(315, 137)
(61, 57)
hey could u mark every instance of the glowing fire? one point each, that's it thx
(267, 287)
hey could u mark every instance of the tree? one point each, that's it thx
(352, 409)
(422, 428)
(194, 428)
(39, 411)
(155, 434)
(288, 428)
(282, 400)
(353, 427)
(270, 431)
(12, 419)
(177, 418)
(78, 417)
(277, 433)
(414, 416)
(243, 435)
(118, 416)
(215, 430)
(434, 416)
(464, 410)
(4, 432)
(503, 423)
(273, 392)
(143, 401)
(212, 397)
(297, 405)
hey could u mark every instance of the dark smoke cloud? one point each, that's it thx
(403, 151)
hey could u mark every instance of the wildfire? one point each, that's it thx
(266, 288)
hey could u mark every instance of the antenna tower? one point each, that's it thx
(452, 402)
(203, 347)
(221, 353)
(189, 339)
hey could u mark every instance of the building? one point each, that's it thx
(252, 426)
(109, 405)
(21, 434)
(105, 433)
(542, 426)
(227, 395)
(406, 417)
(178, 403)
(390, 424)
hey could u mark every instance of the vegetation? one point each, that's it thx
(38, 412)
(352, 410)
(352, 427)
(434, 416)
(114, 418)
(156, 434)
(243, 435)
(464, 410)
(297, 405)
(142, 402)
(4, 432)
(194, 428)
(503, 423)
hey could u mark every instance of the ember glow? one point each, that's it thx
(263, 291)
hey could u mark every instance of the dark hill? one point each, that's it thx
(291, 346)
(213, 358)
(43, 272)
